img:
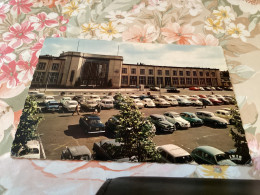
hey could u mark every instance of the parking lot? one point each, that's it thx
(59, 130)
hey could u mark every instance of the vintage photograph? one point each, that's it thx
(129, 102)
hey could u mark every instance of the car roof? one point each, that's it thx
(174, 150)
(187, 113)
(79, 150)
(206, 112)
(157, 115)
(210, 149)
(92, 117)
(173, 113)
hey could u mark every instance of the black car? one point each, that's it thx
(219, 89)
(91, 124)
(76, 153)
(161, 124)
(207, 88)
(79, 98)
(111, 125)
(173, 90)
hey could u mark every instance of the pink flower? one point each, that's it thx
(9, 75)
(3, 10)
(21, 6)
(26, 65)
(63, 28)
(141, 34)
(201, 39)
(56, 35)
(42, 19)
(19, 34)
(175, 33)
(38, 46)
(62, 20)
(6, 54)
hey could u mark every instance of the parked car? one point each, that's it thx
(110, 126)
(48, 98)
(184, 96)
(109, 98)
(173, 90)
(91, 124)
(195, 102)
(52, 106)
(213, 89)
(177, 120)
(160, 102)
(138, 103)
(228, 88)
(174, 96)
(36, 94)
(173, 154)
(106, 104)
(201, 89)
(223, 100)
(154, 96)
(205, 101)
(219, 89)
(64, 99)
(192, 118)
(76, 153)
(210, 118)
(70, 105)
(194, 96)
(225, 114)
(202, 96)
(215, 101)
(89, 105)
(183, 102)
(194, 88)
(161, 124)
(144, 97)
(134, 96)
(32, 150)
(95, 97)
(210, 155)
(148, 103)
(79, 98)
(164, 96)
(207, 88)
(172, 101)
(154, 89)
(230, 100)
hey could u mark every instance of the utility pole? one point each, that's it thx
(47, 82)
(117, 50)
(78, 46)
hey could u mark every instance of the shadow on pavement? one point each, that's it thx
(77, 132)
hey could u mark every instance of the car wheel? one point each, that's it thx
(215, 124)
(177, 125)
(145, 106)
(192, 124)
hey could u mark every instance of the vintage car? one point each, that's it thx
(91, 124)
(160, 102)
(142, 97)
(106, 104)
(79, 98)
(31, 150)
(215, 101)
(154, 89)
(64, 99)
(194, 88)
(52, 106)
(194, 96)
(202, 96)
(153, 96)
(70, 105)
(225, 114)
(174, 96)
(183, 102)
(192, 118)
(172, 101)
(76, 153)
(223, 100)
(95, 97)
(184, 96)
(110, 126)
(48, 98)
(173, 90)
(206, 101)
(138, 103)
(195, 102)
(201, 89)
(109, 97)
(210, 155)
(171, 153)
(211, 119)
(177, 120)
(148, 103)
(161, 124)
(89, 105)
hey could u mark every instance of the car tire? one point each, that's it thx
(145, 106)
(177, 125)
(192, 124)
(215, 124)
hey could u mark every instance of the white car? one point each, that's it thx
(211, 96)
(172, 101)
(195, 102)
(160, 102)
(95, 97)
(89, 105)
(177, 120)
(70, 105)
(138, 103)
(65, 99)
(184, 96)
(148, 103)
(107, 103)
(220, 96)
(109, 98)
(134, 96)
(32, 150)
(195, 96)
(183, 102)
(48, 98)
(174, 96)
(164, 97)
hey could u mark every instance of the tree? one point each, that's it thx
(238, 136)
(136, 133)
(29, 121)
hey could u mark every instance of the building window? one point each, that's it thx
(214, 82)
(159, 80)
(174, 73)
(133, 71)
(133, 80)
(41, 66)
(159, 72)
(38, 76)
(201, 74)
(150, 80)
(194, 73)
(187, 73)
(72, 75)
(53, 77)
(124, 80)
(142, 71)
(167, 81)
(202, 81)
(195, 81)
(181, 73)
(124, 70)
(188, 81)
(142, 80)
(207, 74)
(175, 81)
(150, 71)
(208, 81)
(182, 81)
(55, 66)
(213, 74)
(167, 72)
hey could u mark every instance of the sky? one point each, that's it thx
(147, 53)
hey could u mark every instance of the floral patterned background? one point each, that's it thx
(24, 24)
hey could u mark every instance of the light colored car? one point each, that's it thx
(134, 96)
(32, 150)
(225, 114)
(211, 96)
(107, 103)
(172, 101)
(160, 102)
(184, 96)
(171, 153)
(164, 97)
(195, 102)
(195, 96)
(65, 99)
(48, 98)
(201, 89)
(148, 103)
(109, 97)
(70, 105)
(138, 103)
(89, 105)
(210, 118)
(183, 102)
(95, 97)
(177, 120)
(219, 96)
(174, 96)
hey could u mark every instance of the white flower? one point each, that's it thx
(214, 25)
(73, 8)
(238, 31)
(88, 30)
(224, 14)
(108, 31)
(157, 5)
(120, 17)
(247, 6)
(137, 8)
(194, 8)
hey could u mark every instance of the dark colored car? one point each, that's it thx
(79, 98)
(76, 153)
(219, 89)
(207, 88)
(91, 124)
(228, 88)
(143, 97)
(154, 89)
(161, 124)
(111, 125)
(154, 96)
(52, 106)
(223, 100)
(216, 101)
(206, 101)
(173, 90)
(210, 119)
(192, 118)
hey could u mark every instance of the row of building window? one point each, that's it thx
(167, 72)
(52, 77)
(168, 81)
(42, 66)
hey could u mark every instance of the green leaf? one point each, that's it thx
(237, 10)
(253, 23)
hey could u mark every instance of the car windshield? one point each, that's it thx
(220, 157)
(34, 151)
(192, 116)
(184, 159)
(94, 121)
